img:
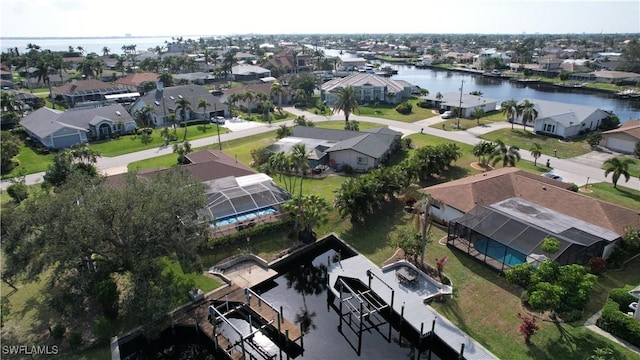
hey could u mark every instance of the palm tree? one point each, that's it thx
(507, 155)
(310, 210)
(478, 113)
(278, 90)
(536, 152)
(249, 96)
(166, 79)
(202, 104)
(347, 102)
(529, 113)
(482, 149)
(105, 51)
(183, 106)
(300, 162)
(617, 167)
(511, 110)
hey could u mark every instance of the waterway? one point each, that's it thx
(444, 81)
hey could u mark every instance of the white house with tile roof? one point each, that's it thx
(369, 88)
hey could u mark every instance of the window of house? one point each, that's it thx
(362, 160)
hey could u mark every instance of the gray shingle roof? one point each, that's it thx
(558, 111)
(361, 79)
(374, 142)
(193, 93)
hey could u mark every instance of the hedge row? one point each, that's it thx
(619, 324)
(286, 223)
(622, 297)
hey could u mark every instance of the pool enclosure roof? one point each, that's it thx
(230, 196)
(523, 226)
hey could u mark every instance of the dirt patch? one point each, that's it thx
(585, 190)
(476, 165)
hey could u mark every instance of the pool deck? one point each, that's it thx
(412, 298)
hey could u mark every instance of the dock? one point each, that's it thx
(236, 299)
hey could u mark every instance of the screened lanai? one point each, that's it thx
(511, 232)
(234, 200)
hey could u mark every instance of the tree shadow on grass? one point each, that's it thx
(569, 345)
(628, 194)
(450, 308)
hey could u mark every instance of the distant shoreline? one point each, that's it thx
(93, 37)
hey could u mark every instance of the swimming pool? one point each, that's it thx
(229, 220)
(497, 251)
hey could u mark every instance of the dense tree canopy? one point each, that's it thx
(87, 234)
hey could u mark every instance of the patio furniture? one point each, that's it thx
(407, 276)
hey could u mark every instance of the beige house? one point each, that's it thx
(624, 138)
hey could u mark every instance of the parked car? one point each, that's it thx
(447, 114)
(553, 176)
(217, 120)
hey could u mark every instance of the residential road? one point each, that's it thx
(579, 170)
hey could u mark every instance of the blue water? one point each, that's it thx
(244, 217)
(496, 251)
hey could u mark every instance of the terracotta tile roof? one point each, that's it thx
(82, 85)
(137, 79)
(631, 127)
(497, 185)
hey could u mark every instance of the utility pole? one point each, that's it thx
(460, 105)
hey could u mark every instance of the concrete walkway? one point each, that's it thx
(580, 170)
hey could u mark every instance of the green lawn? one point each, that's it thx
(523, 139)
(634, 168)
(464, 124)
(132, 143)
(30, 161)
(387, 111)
(621, 195)
(339, 125)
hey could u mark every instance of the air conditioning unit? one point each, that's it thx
(118, 113)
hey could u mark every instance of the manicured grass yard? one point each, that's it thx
(523, 139)
(387, 111)
(621, 195)
(30, 162)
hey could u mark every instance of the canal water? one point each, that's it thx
(444, 81)
(302, 292)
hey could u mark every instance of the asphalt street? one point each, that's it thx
(580, 170)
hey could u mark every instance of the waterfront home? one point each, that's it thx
(163, 103)
(490, 53)
(369, 88)
(62, 129)
(623, 139)
(351, 64)
(564, 120)
(502, 216)
(467, 102)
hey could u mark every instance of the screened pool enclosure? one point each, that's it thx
(241, 200)
(511, 232)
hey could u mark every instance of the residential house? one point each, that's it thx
(198, 78)
(89, 92)
(564, 120)
(351, 64)
(243, 73)
(362, 150)
(134, 82)
(290, 60)
(484, 54)
(623, 139)
(369, 88)
(256, 88)
(237, 196)
(58, 130)
(501, 217)
(467, 102)
(617, 77)
(6, 80)
(163, 103)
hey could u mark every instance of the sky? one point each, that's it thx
(91, 18)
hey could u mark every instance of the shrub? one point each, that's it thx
(619, 324)
(520, 274)
(348, 169)
(597, 265)
(528, 327)
(404, 108)
(18, 192)
(104, 329)
(622, 297)
(574, 187)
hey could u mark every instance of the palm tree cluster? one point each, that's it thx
(511, 109)
(360, 197)
(430, 160)
(285, 165)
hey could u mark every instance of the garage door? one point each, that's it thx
(621, 145)
(66, 141)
